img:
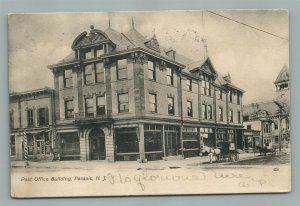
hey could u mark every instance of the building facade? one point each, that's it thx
(267, 123)
(32, 112)
(120, 96)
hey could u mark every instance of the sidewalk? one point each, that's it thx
(155, 165)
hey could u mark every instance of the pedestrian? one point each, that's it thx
(211, 154)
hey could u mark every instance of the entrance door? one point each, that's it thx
(97, 145)
(40, 147)
(172, 143)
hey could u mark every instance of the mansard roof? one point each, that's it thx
(133, 39)
(283, 75)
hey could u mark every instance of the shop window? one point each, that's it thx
(30, 144)
(69, 109)
(209, 112)
(12, 145)
(69, 146)
(127, 141)
(189, 108)
(171, 109)
(189, 84)
(88, 74)
(123, 102)
(153, 138)
(221, 113)
(100, 105)
(122, 69)
(153, 102)
(43, 116)
(68, 79)
(204, 111)
(99, 72)
(30, 117)
(170, 76)
(151, 70)
(89, 107)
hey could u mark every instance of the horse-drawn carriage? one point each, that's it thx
(228, 152)
(225, 151)
(266, 150)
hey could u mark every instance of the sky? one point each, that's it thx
(252, 58)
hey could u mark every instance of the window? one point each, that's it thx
(122, 69)
(88, 54)
(276, 125)
(99, 73)
(69, 109)
(230, 96)
(239, 116)
(11, 120)
(151, 70)
(68, 80)
(152, 102)
(99, 50)
(100, 109)
(206, 86)
(209, 111)
(43, 116)
(249, 127)
(220, 94)
(204, 111)
(123, 102)
(88, 74)
(89, 107)
(12, 145)
(171, 105)
(170, 76)
(30, 119)
(189, 84)
(238, 100)
(267, 128)
(221, 113)
(231, 115)
(189, 108)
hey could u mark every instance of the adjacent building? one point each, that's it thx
(32, 112)
(268, 123)
(121, 96)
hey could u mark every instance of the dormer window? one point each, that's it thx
(99, 50)
(87, 54)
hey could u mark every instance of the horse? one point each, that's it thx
(211, 152)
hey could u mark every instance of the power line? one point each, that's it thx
(247, 25)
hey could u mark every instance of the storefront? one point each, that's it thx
(191, 144)
(127, 144)
(153, 142)
(68, 145)
(207, 137)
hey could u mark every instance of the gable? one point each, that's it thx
(93, 38)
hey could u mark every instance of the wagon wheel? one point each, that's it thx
(233, 157)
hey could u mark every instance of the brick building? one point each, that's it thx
(120, 96)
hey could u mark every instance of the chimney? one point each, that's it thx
(171, 53)
(227, 78)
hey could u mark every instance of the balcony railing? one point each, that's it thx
(93, 116)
